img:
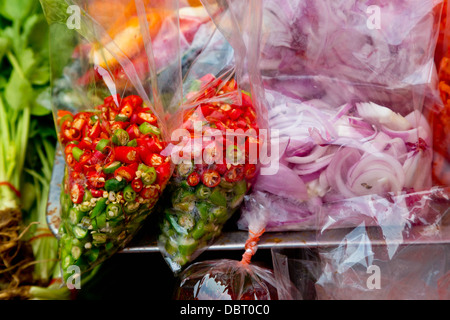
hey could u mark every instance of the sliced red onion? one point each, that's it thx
(316, 153)
(379, 115)
(338, 168)
(284, 183)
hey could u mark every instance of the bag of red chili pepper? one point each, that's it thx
(109, 114)
(215, 140)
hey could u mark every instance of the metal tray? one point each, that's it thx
(235, 240)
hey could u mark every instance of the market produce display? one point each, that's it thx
(115, 175)
(360, 149)
(352, 115)
(28, 250)
(169, 109)
(210, 183)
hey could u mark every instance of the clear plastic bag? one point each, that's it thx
(215, 135)
(109, 110)
(236, 280)
(352, 115)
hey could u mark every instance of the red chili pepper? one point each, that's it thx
(119, 125)
(133, 100)
(95, 131)
(206, 110)
(246, 100)
(133, 132)
(221, 168)
(68, 133)
(70, 160)
(137, 185)
(153, 160)
(249, 171)
(127, 172)
(252, 149)
(68, 148)
(86, 143)
(163, 172)
(211, 178)
(150, 192)
(78, 123)
(111, 115)
(96, 193)
(77, 177)
(77, 193)
(235, 174)
(193, 179)
(221, 126)
(126, 154)
(126, 110)
(96, 158)
(85, 157)
(95, 179)
(216, 116)
(235, 114)
(111, 101)
(146, 117)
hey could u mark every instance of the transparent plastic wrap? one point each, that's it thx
(215, 139)
(352, 115)
(236, 280)
(110, 119)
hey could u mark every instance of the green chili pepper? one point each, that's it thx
(99, 208)
(113, 210)
(171, 246)
(115, 185)
(147, 128)
(204, 208)
(186, 221)
(131, 207)
(234, 155)
(203, 192)
(99, 238)
(67, 117)
(101, 145)
(101, 220)
(225, 184)
(174, 223)
(240, 188)
(92, 254)
(121, 118)
(220, 214)
(75, 216)
(199, 230)
(79, 232)
(129, 194)
(85, 208)
(132, 143)
(186, 247)
(76, 252)
(120, 137)
(94, 118)
(87, 196)
(67, 261)
(149, 176)
(77, 153)
(218, 198)
(185, 169)
(109, 169)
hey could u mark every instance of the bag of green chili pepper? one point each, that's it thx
(215, 149)
(109, 113)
